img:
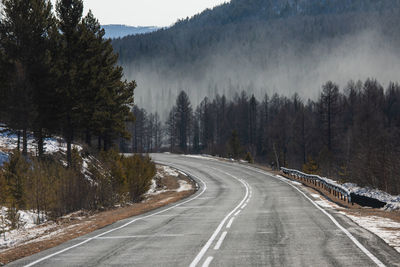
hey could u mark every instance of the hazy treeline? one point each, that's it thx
(350, 135)
(146, 132)
(59, 76)
(264, 45)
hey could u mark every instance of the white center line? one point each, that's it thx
(137, 236)
(230, 223)
(207, 262)
(221, 239)
(214, 235)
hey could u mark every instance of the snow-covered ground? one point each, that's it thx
(165, 171)
(385, 228)
(207, 157)
(8, 142)
(28, 228)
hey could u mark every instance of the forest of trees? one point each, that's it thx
(259, 46)
(352, 135)
(59, 78)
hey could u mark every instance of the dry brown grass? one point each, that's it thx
(90, 222)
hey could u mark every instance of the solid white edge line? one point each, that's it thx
(207, 261)
(349, 235)
(230, 223)
(126, 224)
(220, 240)
(214, 235)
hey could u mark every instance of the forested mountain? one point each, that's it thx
(114, 31)
(264, 46)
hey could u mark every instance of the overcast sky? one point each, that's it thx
(146, 12)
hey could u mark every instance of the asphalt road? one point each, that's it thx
(240, 216)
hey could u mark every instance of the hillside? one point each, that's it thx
(264, 46)
(114, 31)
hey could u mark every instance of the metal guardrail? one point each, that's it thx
(331, 186)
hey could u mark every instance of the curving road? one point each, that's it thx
(240, 216)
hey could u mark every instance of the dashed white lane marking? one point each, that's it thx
(137, 236)
(195, 207)
(230, 222)
(349, 235)
(237, 213)
(220, 240)
(207, 261)
(214, 235)
(124, 225)
(244, 206)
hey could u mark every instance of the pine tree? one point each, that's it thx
(183, 116)
(69, 14)
(234, 145)
(25, 30)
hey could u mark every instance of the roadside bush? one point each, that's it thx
(49, 188)
(139, 173)
(15, 174)
(130, 176)
(249, 158)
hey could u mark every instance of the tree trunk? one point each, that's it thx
(276, 158)
(24, 142)
(88, 138)
(69, 139)
(99, 143)
(19, 140)
(40, 143)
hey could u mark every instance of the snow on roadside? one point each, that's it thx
(207, 157)
(184, 186)
(324, 203)
(165, 171)
(385, 228)
(28, 228)
(153, 187)
(169, 171)
(393, 202)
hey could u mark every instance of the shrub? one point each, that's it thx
(249, 158)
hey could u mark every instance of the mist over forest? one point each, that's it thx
(264, 46)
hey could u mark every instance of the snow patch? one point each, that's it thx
(393, 202)
(184, 186)
(385, 228)
(170, 172)
(153, 187)
(207, 157)
(28, 228)
(326, 204)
